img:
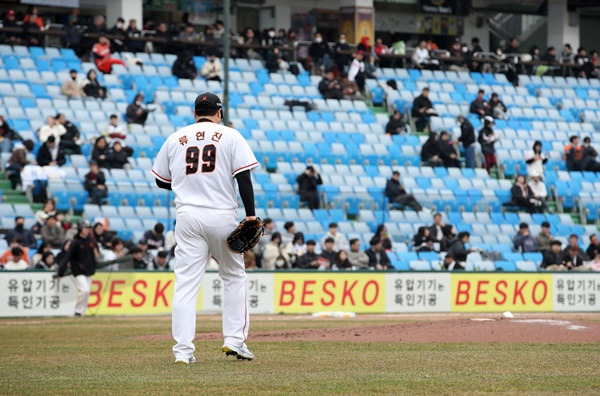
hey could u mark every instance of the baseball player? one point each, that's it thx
(82, 258)
(199, 163)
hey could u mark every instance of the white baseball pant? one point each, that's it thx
(84, 285)
(200, 233)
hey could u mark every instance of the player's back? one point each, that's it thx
(200, 161)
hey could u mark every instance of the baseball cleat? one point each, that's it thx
(185, 360)
(242, 353)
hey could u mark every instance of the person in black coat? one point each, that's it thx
(330, 88)
(487, 139)
(184, 66)
(441, 233)
(398, 195)
(342, 53)
(395, 125)
(457, 247)
(68, 141)
(310, 259)
(92, 87)
(447, 151)
(522, 195)
(95, 184)
(136, 114)
(7, 135)
(25, 235)
(117, 157)
(422, 241)
(430, 151)
(319, 52)
(552, 258)
(422, 108)
(81, 257)
(378, 258)
(51, 154)
(307, 187)
(467, 139)
(100, 152)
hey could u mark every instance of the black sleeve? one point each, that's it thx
(163, 185)
(246, 191)
(62, 265)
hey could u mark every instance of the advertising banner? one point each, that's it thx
(417, 292)
(576, 292)
(496, 292)
(36, 294)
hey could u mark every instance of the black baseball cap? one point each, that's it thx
(208, 101)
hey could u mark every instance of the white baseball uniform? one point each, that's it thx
(200, 161)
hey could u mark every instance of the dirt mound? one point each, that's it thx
(458, 330)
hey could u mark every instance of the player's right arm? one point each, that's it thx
(160, 169)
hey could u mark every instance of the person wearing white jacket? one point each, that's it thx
(339, 240)
(52, 128)
(538, 187)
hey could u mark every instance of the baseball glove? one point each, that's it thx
(246, 235)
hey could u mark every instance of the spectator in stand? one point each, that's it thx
(95, 184)
(448, 152)
(52, 233)
(69, 140)
(328, 253)
(358, 259)
(162, 31)
(550, 56)
(339, 240)
(296, 248)
(330, 88)
(290, 232)
(341, 261)
(497, 107)
(487, 139)
(50, 153)
(52, 128)
(382, 233)
(212, 69)
(441, 233)
(184, 66)
(450, 264)
(523, 241)
(356, 72)
(307, 187)
(134, 33)
(103, 238)
(422, 109)
(16, 163)
(552, 258)
(119, 28)
(535, 160)
(590, 154)
(259, 249)
(457, 248)
(594, 247)
(137, 256)
(32, 24)
(136, 114)
(188, 34)
(364, 45)
(155, 237)
(7, 135)
(544, 238)
(398, 195)
(480, 106)
(572, 258)
(16, 262)
(10, 22)
(100, 152)
(567, 55)
(380, 48)
(49, 209)
(72, 87)
(159, 263)
(512, 47)
(92, 87)
(14, 243)
(422, 241)
(116, 251)
(573, 154)
(115, 132)
(370, 63)
(421, 58)
(24, 235)
(521, 195)
(378, 258)
(117, 157)
(431, 152)
(98, 25)
(586, 67)
(251, 40)
(350, 90)
(342, 53)
(47, 262)
(395, 125)
(102, 58)
(574, 244)
(539, 190)
(467, 139)
(309, 260)
(319, 53)
(275, 256)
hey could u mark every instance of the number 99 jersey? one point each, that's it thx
(200, 162)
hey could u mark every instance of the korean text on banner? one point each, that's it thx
(577, 292)
(333, 291)
(496, 292)
(417, 292)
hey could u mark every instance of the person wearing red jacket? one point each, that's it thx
(103, 59)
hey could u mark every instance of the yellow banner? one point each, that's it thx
(495, 292)
(333, 291)
(132, 293)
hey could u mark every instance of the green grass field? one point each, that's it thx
(101, 356)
